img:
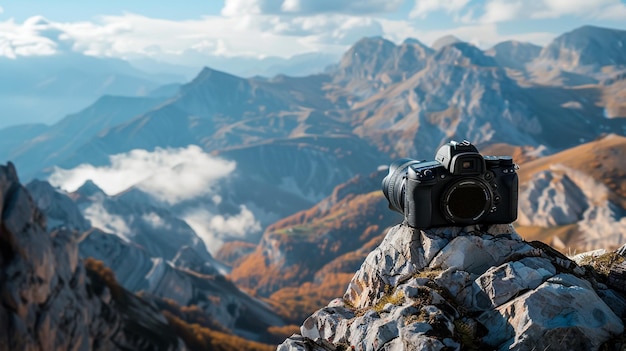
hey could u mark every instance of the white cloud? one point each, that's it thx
(131, 35)
(155, 221)
(36, 36)
(614, 12)
(171, 175)
(262, 28)
(328, 30)
(1, 10)
(423, 7)
(483, 35)
(100, 218)
(307, 7)
(506, 10)
(255, 7)
(500, 11)
(216, 229)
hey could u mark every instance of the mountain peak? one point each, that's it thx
(413, 41)
(213, 74)
(587, 46)
(445, 41)
(89, 188)
(464, 54)
(370, 46)
(366, 57)
(514, 54)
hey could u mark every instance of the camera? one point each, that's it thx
(460, 187)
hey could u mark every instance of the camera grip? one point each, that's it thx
(417, 194)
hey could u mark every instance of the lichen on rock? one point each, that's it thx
(474, 287)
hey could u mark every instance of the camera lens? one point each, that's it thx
(466, 201)
(394, 182)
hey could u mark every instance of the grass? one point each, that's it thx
(395, 299)
(602, 264)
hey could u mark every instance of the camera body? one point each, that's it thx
(460, 187)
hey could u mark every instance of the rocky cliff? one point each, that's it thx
(470, 288)
(165, 261)
(51, 301)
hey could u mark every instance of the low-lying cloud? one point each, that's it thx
(216, 229)
(100, 218)
(170, 175)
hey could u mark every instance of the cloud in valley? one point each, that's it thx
(100, 218)
(216, 229)
(170, 175)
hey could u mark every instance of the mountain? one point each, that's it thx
(372, 64)
(340, 231)
(587, 47)
(190, 62)
(281, 185)
(301, 65)
(52, 299)
(445, 41)
(574, 199)
(461, 93)
(13, 137)
(47, 88)
(151, 251)
(32, 152)
(296, 138)
(514, 54)
(469, 288)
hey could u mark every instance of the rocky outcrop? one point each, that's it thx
(59, 209)
(50, 301)
(465, 288)
(174, 266)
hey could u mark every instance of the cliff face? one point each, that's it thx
(466, 288)
(50, 301)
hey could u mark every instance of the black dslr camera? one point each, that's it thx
(459, 187)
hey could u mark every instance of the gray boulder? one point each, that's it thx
(459, 288)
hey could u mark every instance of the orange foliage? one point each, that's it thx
(279, 334)
(295, 304)
(97, 268)
(308, 246)
(233, 251)
(200, 338)
(190, 314)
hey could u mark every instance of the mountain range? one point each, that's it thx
(274, 183)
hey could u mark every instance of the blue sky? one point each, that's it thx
(159, 29)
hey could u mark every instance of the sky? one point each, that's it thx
(261, 28)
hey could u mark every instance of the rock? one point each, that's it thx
(478, 287)
(50, 301)
(617, 277)
(58, 208)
